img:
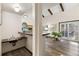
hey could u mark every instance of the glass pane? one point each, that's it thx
(62, 29)
(71, 29)
(66, 30)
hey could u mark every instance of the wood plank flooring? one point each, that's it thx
(61, 48)
(18, 52)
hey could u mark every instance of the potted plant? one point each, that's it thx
(56, 35)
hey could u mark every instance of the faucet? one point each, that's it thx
(12, 38)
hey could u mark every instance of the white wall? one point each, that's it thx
(11, 24)
(71, 12)
(28, 19)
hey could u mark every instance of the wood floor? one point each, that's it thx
(61, 48)
(18, 52)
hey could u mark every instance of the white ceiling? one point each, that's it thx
(56, 9)
(26, 7)
(48, 5)
(9, 7)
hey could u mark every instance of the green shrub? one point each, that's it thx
(56, 34)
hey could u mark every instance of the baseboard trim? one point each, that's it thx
(28, 50)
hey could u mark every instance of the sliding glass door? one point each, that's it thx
(70, 30)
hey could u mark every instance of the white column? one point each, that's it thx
(38, 42)
(0, 30)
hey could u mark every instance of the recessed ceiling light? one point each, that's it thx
(25, 16)
(17, 7)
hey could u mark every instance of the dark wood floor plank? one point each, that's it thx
(18, 52)
(59, 48)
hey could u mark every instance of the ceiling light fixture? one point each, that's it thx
(25, 16)
(17, 7)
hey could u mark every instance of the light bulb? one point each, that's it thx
(17, 10)
(25, 16)
(17, 7)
